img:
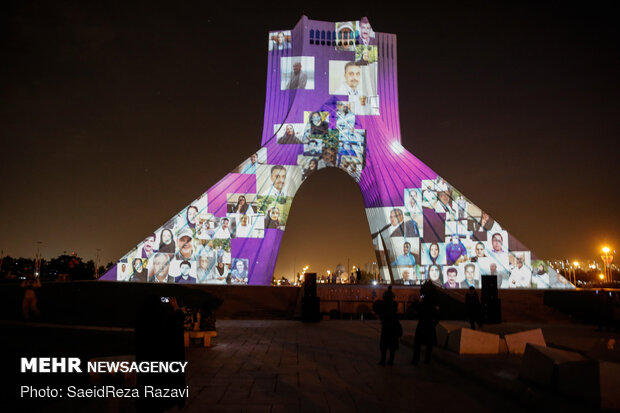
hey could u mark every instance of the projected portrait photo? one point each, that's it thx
(274, 210)
(359, 83)
(402, 225)
(147, 247)
(188, 218)
(450, 277)
(433, 253)
(345, 121)
(289, 133)
(352, 165)
(434, 274)
(124, 271)
(225, 228)
(444, 205)
(540, 274)
(314, 147)
(308, 164)
(206, 226)
(278, 180)
(183, 271)
(413, 201)
(470, 275)
(498, 246)
(456, 252)
(481, 223)
(490, 266)
(279, 40)
(252, 163)
(159, 268)
(221, 250)
(249, 226)
(220, 274)
(477, 250)
(185, 244)
(239, 273)
(407, 275)
(365, 33)
(429, 199)
(345, 36)
(365, 55)
(241, 204)
(405, 253)
(329, 157)
(205, 262)
(139, 271)
(520, 270)
(317, 125)
(297, 72)
(166, 241)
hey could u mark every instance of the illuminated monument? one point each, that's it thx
(332, 101)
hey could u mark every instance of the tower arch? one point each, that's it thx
(334, 104)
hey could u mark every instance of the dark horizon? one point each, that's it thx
(135, 110)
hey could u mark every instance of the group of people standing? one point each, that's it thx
(427, 312)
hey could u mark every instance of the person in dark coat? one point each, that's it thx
(159, 337)
(473, 308)
(391, 329)
(428, 317)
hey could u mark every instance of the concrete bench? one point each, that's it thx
(205, 336)
(468, 341)
(567, 371)
(443, 330)
(516, 342)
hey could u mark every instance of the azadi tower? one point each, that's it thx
(332, 101)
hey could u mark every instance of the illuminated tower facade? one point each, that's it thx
(332, 101)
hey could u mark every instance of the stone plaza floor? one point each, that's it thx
(331, 366)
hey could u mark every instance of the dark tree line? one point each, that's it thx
(71, 265)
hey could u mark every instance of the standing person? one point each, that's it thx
(391, 330)
(159, 337)
(473, 308)
(428, 317)
(29, 304)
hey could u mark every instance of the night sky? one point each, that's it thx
(113, 117)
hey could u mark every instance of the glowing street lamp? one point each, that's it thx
(575, 265)
(607, 259)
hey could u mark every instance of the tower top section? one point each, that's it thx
(321, 66)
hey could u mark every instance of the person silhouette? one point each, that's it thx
(473, 308)
(428, 317)
(391, 329)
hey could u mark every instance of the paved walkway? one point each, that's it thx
(331, 366)
(289, 366)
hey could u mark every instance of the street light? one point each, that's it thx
(607, 259)
(575, 266)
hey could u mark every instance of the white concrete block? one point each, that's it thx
(468, 341)
(516, 342)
